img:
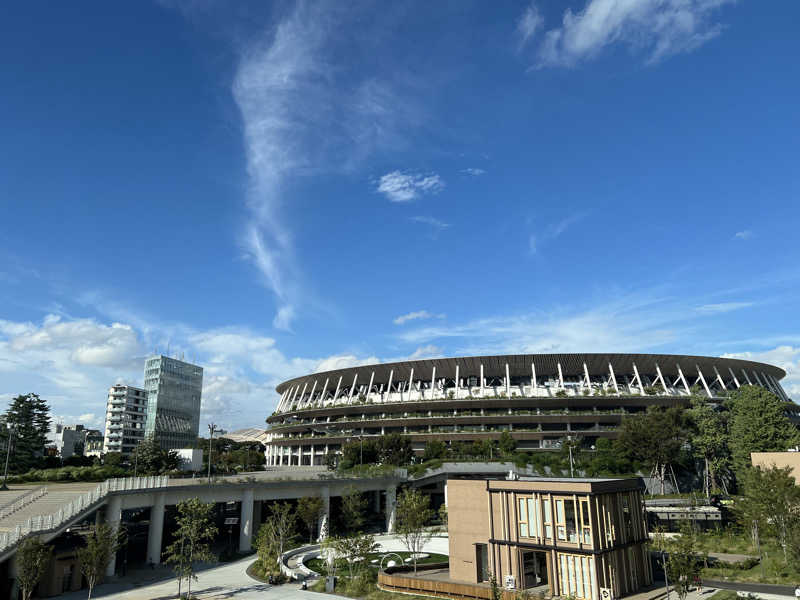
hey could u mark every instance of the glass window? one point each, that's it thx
(586, 522)
(534, 520)
(561, 529)
(548, 519)
(570, 521)
(523, 518)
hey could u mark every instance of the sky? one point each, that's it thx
(272, 189)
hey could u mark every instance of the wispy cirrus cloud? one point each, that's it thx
(743, 235)
(656, 28)
(552, 231)
(722, 307)
(399, 186)
(416, 315)
(474, 171)
(528, 24)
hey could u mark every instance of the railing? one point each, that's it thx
(43, 523)
(24, 500)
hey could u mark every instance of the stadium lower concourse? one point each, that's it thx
(539, 399)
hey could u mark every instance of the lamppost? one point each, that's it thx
(11, 430)
(212, 428)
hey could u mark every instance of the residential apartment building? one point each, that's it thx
(126, 414)
(584, 538)
(69, 439)
(174, 389)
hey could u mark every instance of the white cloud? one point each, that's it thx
(784, 356)
(344, 361)
(722, 307)
(552, 231)
(657, 28)
(743, 235)
(404, 187)
(475, 172)
(419, 314)
(429, 351)
(436, 225)
(529, 23)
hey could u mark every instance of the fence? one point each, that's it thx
(394, 581)
(26, 498)
(44, 523)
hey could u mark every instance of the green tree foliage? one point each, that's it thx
(354, 550)
(507, 444)
(191, 542)
(112, 459)
(29, 415)
(757, 423)
(32, 559)
(101, 545)
(151, 459)
(654, 439)
(395, 449)
(709, 440)
(413, 516)
(309, 509)
(607, 459)
(359, 452)
(267, 549)
(681, 562)
(281, 528)
(354, 509)
(228, 456)
(434, 449)
(771, 503)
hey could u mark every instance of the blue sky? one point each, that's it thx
(277, 188)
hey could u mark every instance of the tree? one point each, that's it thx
(681, 563)
(191, 545)
(608, 459)
(507, 443)
(709, 441)
(434, 449)
(443, 515)
(654, 438)
(151, 459)
(413, 514)
(354, 508)
(395, 449)
(112, 459)
(101, 545)
(281, 522)
(32, 559)
(359, 452)
(757, 423)
(267, 548)
(29, 415)
(354, 549)
(309, 509)
(772, 502)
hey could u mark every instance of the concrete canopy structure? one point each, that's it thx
(538, 398)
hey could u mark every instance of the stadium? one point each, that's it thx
(538, 398)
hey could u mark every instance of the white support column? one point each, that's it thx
(747, 377)
(302, 394)
(588, 380)
(560, 377)
(389, 387)
(321, 399)
(411, 384)
(758, 379)
(719, 378)
(703, 380)
(456, 394)
(156, 530)
(779, 389)
(637, 378)
(324, 514)
(294, 396)
(311, 395)
(508, 382)
(768, 382)
(391, 506)
(279, 408)
(352, 387)
(246, 519)
(735, 381)
(338, 387)
(481, 382)
(371, 380)
(683, 379)
(113, 518)
(613, 378)
(533, 378)
(433, 382)
(661, 379)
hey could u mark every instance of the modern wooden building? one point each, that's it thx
(581, 537)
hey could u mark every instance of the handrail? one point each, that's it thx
(26, 498)
(43, 523)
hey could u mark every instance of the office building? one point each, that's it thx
(125, 418)
(174, 388)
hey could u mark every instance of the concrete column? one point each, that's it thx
(246, 521)
(324, 517)
(156, 530)
(113, 518)
(13, 573)
(391, 506)
(377, 501)
(256, 516)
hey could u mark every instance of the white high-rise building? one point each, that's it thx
(126, 415)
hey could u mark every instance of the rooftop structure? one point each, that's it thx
(538, 398)
(174, 388)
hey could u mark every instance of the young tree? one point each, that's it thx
(29, 415)
(507, 443)
(772, 502)
(709, 441)
(267, 548)
(32, 559)
(354, 508)
(151, 459)
(434, 449)
(101, 544)
(757, 423)
(281, 522)
(413, 514)
(395, 449)
(681, 563)
(195, 530)
(354, 549)
(309, 509)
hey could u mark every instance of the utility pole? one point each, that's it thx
(212, 427)
(8, 453)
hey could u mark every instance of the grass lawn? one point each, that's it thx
(319, 565)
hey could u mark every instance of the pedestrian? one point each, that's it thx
(698, 583)
(797, 591)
